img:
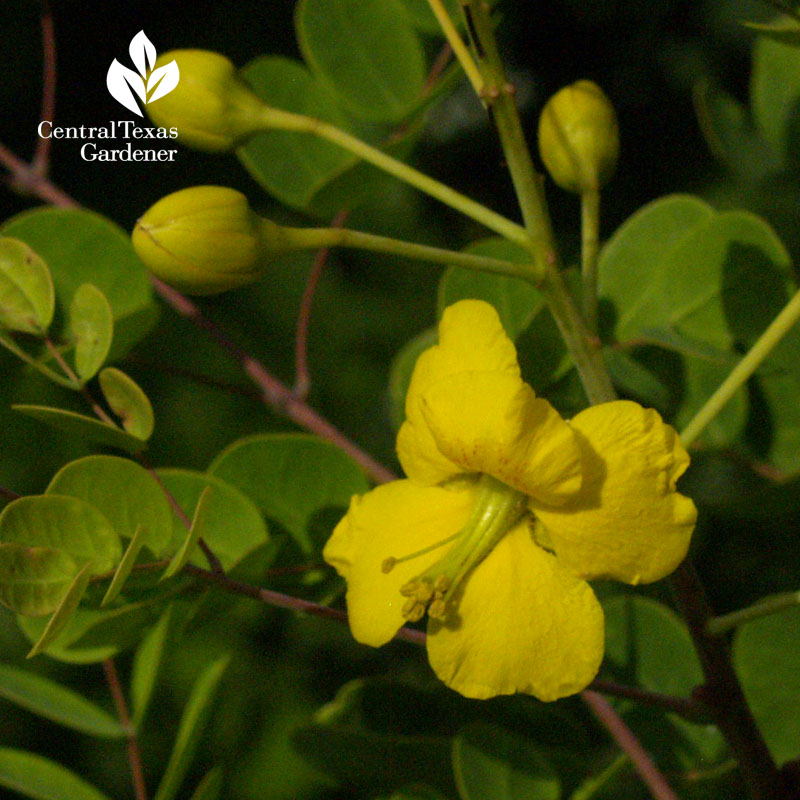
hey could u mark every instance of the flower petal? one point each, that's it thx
(471, 338)
(493, 423)
(525, 624)
(629, 522)
(395, 519)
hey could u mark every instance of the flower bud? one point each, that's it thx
(206, 240)
(579, 137)
(211, 107)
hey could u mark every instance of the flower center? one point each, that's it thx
(497, 509)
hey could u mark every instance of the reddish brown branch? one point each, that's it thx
(302, 379)
(41, 157)
(722, 692)
(624, 737)
(134, 753)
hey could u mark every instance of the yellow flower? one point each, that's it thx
(506, 513)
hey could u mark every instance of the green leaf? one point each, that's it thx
(691, 283)
(774, 94)
(34, 579)
(731, 135)
(785, 30)
(193, 721)
(367, 51)
(291, 478)
(27, 297)
(765, 657)
(42, 779)
(80, 425)
(779, 421)
(91, 323)
(367, 759)
(211, 786)
(126, 399)
(700, 380)
(420, 14)
(648, 645)
(80, 247)
(635, 380)
(66, 608)
(93, 635)
(233, 527)
(125, 492)
(57, 703)
(146, 663)
(63, 523)
(491, 763)
(199, 522)
(628, 263)
(125, 566)
(293, 167)
(516, 301)
(401, 369)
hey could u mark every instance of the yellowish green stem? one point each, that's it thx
(460, 50)
(315, 238)
(590, 245)
(584, 348)
(765, 344)
(591, 786)
(769, 605)
(276, 119)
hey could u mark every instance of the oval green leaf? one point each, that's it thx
(85, 427)
(39, 778)
(516, 301)
(290, 478)
(27, 296)
(193, 721)
(648, 645)
(125, 567)
(63, 614)
(232, 525)
(80, 247)
(127, 400)
(125, 492)
(765, 656)
(63, 523)
(34, 579)
(57, 703)
(367, 51)
(146, 664)
(491, 763)
(91, 323)
(293, 167)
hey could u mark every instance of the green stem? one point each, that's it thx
(457, 44)
(275, 119)
(314, 238)
(584, 349)
(768, 605)
(590, 246)
(765, 344)
(10, 345)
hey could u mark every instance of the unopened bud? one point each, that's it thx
(206, 240)
(579, 137)
(212, 108)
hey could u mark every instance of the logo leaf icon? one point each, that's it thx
(143, 53)
(119, 81)
(163, 80)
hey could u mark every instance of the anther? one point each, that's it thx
(388, 565)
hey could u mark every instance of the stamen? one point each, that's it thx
(497, 509)
(389, 563)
